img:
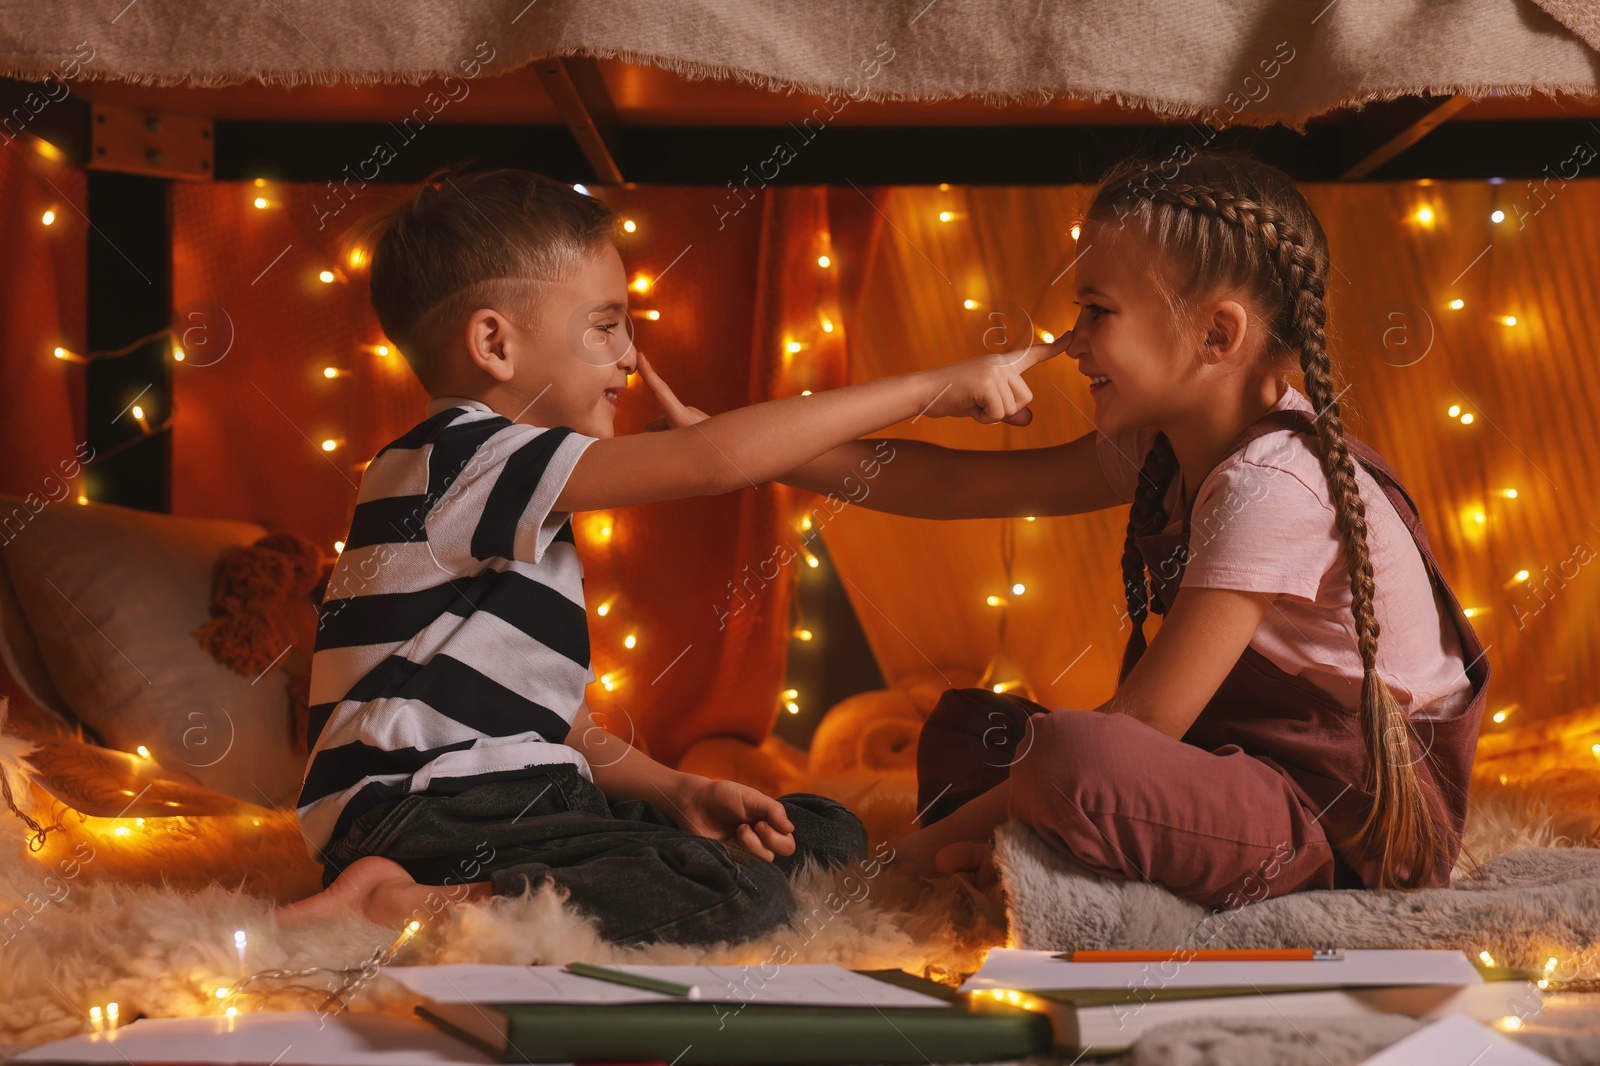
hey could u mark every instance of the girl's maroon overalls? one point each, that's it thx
(1259, 796)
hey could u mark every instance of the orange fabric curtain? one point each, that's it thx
(253, 404)
(42, 291)
(1517, 355)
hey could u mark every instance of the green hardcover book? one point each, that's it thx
(968, 1029)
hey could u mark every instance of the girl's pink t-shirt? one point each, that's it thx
(1263, 521)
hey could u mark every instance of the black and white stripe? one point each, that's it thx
(452, 643)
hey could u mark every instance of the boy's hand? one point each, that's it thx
(990, 388)
(678, 415)
(736, 814)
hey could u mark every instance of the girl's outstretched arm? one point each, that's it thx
(923, 480)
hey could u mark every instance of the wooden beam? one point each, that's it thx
(1385, 130)
(579, 92)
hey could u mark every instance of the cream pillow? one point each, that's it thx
(112, 597)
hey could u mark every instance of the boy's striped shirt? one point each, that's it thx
(452, 643)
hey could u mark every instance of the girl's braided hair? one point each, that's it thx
(1227, 222)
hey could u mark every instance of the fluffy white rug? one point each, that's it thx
(145, 915)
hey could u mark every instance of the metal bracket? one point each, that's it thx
(151, 143)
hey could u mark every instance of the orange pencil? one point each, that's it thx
(1208, 955)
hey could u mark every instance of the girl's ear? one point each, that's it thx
(1225, 332)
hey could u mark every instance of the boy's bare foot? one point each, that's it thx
(381, 891)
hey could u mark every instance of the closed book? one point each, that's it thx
(1113, 1019)
(689, 1032)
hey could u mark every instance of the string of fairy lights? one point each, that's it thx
(602, 531)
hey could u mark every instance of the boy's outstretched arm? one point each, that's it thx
(721, 810)
(750, 445)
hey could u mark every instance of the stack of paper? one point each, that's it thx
(1107, 1005)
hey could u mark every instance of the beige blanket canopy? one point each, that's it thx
(1217, 61)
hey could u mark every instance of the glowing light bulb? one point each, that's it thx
(583, 189)
(791, 693)
(326, 277)
(338, 546)
(1469, 611)
(96, 1017)
(261, 203)
(111, 1014)
(329, 445)
(1467, 419)
(803, 634)
(122, 831)
(48, 218)
(382, 349)
(824, 262)
(996, 601)
(827, 324)
(630, 641)
(232, 1012)
(1018, 589)
(137, 411)
(608, 681)
(1457, 304)
(792, 707)
(629, 225)
(1075, 231)
(641, 283)
(1511, 1021)
(945, 216)
(1500, 716)
(812, 561)
(653, 315)
(805, 524)
(177, 354)
(1479, 517)
(1488, 959)
(222, 993)
(61, 353)
(1047, 337)
(356, 257)
(1425, 215)
(1508, 320)
(144, 752)
(969, 304)
(1509, 494)
(1031, 518)
(792, 347)
(330, 372)
(1522, 575)
(604, 609)
(805, 392)
(1497, 217)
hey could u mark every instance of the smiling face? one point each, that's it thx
(569, 363)
(1141, 371)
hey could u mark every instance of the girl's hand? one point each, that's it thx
(989, 388)
(974, 860)
(678, 415)
(736, 814)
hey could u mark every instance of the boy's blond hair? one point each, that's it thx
(471, 239)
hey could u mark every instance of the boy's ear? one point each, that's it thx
(487, 334)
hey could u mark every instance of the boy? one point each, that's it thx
(450, 740)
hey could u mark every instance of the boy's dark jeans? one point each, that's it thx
(625, 864)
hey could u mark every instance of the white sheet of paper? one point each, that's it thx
(810, 984)
(1456, 1040)
(1040, 971)
(286, 1038)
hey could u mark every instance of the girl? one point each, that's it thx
(1265, 741)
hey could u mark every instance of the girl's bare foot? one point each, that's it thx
(380, 890)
